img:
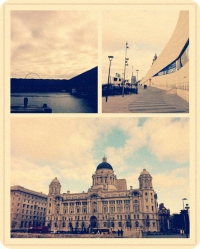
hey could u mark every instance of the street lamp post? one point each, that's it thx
(110, 59)
(137, 82)
(137, 74)
(125, 64)
(187, 228)
(184, 199)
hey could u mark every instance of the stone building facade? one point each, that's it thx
(107, 204)
(28, 208)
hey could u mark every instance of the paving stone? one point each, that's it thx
(149, 100)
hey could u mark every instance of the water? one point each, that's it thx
(59, 102)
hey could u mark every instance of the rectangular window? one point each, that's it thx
(152, 208)
(147, 208)
(126, 201)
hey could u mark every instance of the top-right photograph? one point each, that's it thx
(145, 61)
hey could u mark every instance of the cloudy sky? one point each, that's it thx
(147, 32)
(53, 44)
(71, 149)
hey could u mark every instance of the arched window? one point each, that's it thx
(84, 210)
(119, 224)
(112, 209)
(136, 208)
(119, 209)
(105, 224)
(136, 224)
(105, 209)
(127, 208)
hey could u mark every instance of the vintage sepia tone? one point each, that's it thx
(53, 61)
(129, 192)
(164, 88)
(118, 166)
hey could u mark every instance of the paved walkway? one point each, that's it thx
(149, 100)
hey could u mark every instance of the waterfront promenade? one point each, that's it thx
(149, 100)
(75, 236)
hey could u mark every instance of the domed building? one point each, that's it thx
(108, 204)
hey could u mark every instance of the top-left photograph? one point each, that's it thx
(54, 61)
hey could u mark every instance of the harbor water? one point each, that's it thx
(59, 102)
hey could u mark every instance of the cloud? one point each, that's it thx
(69, 148)
(145, 32)
(30, 175)
(170, 141)
(171, 186)
(52, 42)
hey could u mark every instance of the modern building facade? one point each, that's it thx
(107, 204)
(170, 70)
(28, 208)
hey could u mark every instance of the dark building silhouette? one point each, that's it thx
(83, 84)
(164, 217)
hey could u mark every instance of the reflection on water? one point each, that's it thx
(59, 102)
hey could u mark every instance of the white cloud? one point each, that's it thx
(53, 44)
(145, 32)
(170, 141)
(45, 148)
(31, 175)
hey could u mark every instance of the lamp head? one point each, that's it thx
(187, 206)
(110, 57)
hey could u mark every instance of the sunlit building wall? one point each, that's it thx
(170, 71)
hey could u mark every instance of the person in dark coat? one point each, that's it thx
(25, 102)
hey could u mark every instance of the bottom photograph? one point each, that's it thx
(99, 177)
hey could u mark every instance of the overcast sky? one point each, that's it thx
(71, 149)
(146, 31)
(53, 44)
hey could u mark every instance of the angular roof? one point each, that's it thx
(173, 48)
